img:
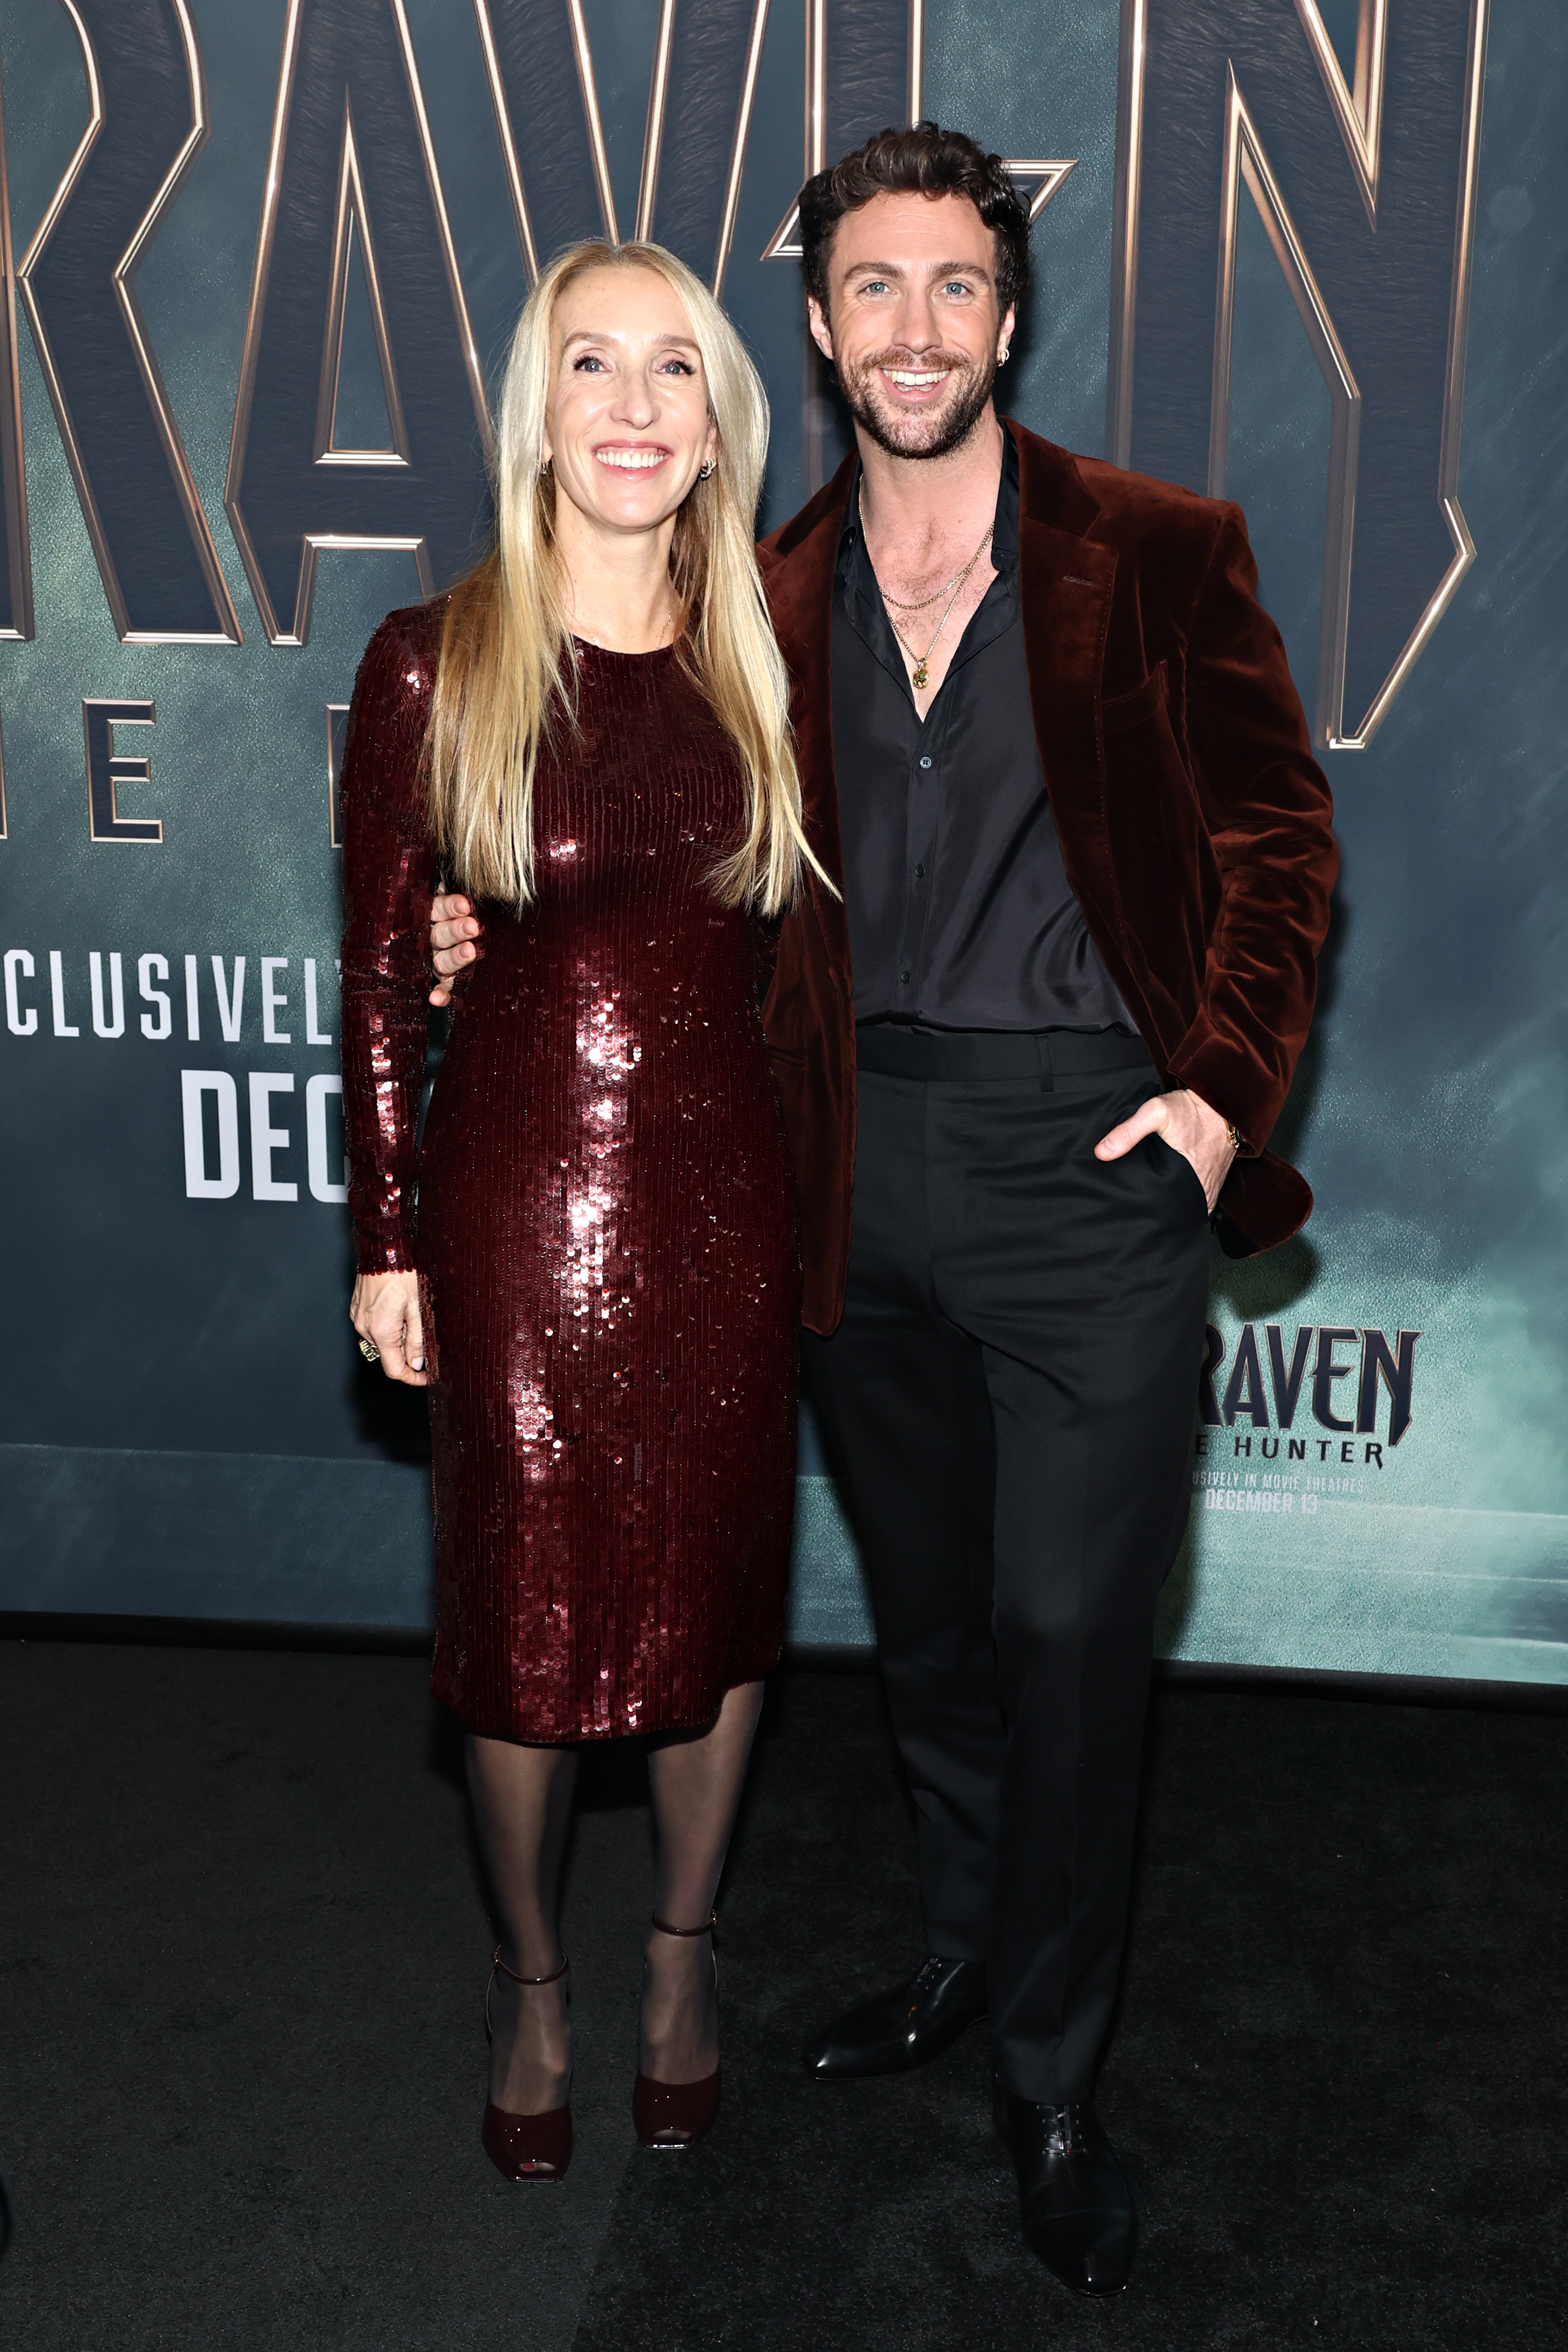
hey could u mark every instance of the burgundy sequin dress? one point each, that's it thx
(602, 1215)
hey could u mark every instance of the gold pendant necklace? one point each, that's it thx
(922, 673)
(921, 660)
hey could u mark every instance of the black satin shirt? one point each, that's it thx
(960, 913)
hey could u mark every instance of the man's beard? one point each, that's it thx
(920, 433)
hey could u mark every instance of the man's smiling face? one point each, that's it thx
(915, 326)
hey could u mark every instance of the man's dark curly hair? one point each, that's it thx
(927, 161)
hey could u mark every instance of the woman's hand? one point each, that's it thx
(1188, 1125)
(453, 928)
(384, 1309)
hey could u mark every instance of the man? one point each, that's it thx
(1051, 753)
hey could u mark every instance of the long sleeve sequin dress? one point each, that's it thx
(601, 1213)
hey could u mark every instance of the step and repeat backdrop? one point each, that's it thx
(261, 260)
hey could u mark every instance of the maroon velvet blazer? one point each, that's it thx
(1194, 822)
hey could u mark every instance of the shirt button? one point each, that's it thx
(904, 978)
(925, 759)
(920, 872)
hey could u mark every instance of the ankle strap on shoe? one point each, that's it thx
(706, 1929)
(553, 1978)
(497, 1962)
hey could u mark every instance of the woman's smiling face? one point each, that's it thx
(628, 426)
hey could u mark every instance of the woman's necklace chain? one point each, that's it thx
(922, 673)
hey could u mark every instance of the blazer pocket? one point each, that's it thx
(1122, 711)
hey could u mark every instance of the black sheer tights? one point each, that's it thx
(522, 1805)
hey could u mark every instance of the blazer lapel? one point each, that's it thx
(1066, 580)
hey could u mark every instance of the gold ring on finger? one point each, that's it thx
(370, 1351)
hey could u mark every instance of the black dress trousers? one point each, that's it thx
(1010, 1396)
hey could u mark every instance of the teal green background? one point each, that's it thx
(187, 1430)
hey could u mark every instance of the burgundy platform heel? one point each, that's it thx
(526, 2148)
(677, 2115)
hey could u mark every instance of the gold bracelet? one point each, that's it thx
(1232, 1138)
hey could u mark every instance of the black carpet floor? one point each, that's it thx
(242, 1951)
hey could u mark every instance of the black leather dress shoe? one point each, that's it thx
(904, 2027)
(1073, 2198)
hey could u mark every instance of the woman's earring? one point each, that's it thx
(544, 466)
(711, 467)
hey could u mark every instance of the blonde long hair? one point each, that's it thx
(509, 668)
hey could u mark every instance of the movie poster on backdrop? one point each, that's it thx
(261, 258)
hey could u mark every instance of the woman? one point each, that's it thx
(599, 1278)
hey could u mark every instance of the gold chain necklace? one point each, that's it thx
(919, 603)
(922, 673)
